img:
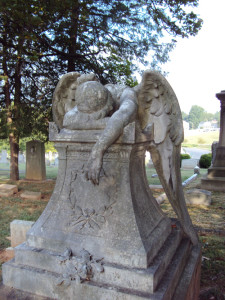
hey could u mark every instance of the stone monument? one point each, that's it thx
(215, 180)
(103, 234)
(35, 160)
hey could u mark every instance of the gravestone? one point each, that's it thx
(4, 157)
(215, 179)
(18, 231)
(30, 195)
(35, 160)
(103, 234)
(198, 197)
(7, 190)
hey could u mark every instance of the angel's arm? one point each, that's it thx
(114, 128)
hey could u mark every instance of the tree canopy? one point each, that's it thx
(197, 115)
(42, 39)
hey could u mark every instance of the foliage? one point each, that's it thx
(197, 114)
(205, 161)
(184, 116)
(185, 156)
(40, 40)
(109, 38)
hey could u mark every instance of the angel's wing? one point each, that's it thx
(158, 105)
(64, 97)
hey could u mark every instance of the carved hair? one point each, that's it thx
(96, 99)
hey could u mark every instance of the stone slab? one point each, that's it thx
(10, 252)
(35, 160)
(7, 190)
(161, 198)
(29, 279)
(156, 188)
(31, 195)
(9, 293)
(198, 197)
(19, 229)
(144, 280)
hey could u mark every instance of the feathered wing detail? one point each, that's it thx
(64, 97)
(158, 105)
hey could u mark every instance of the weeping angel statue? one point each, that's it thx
(81, 102)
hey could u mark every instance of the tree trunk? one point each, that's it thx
(14, 151)
(13, 141)
(73, 37)
(14, 134)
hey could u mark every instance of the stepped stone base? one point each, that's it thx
(216, 184)
(173, 274)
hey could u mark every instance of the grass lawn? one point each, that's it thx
(208, 220)
(203, 140)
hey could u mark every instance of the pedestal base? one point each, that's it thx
(215, 180)
(174, 274)
(105, 241)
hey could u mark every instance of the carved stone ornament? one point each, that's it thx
(78, 268)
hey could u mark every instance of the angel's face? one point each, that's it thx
(69, 98)
(91, 96)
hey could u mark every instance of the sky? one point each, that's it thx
(197, 64)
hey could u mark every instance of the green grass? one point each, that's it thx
(51, 171)
(213, 264)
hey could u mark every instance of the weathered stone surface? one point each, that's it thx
(189, 180)
(156, 187)
(10, 252)
(18, 230)
(216, 184)
(213, 149)
(103, 235)
(31, 195)
(198, 197)
(9, 293)
(35, 161)
(197, 170)
(160, 199)
(7, 190)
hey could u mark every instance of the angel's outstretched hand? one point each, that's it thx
(93, 168)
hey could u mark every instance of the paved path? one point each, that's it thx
(195, 152)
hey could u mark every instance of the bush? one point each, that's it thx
(205, 161)
(185, 156)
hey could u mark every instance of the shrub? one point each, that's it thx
(205, 161)
(185, 156)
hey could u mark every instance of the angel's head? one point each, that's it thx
(93, 98)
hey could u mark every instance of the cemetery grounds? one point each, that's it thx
(208, 220)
